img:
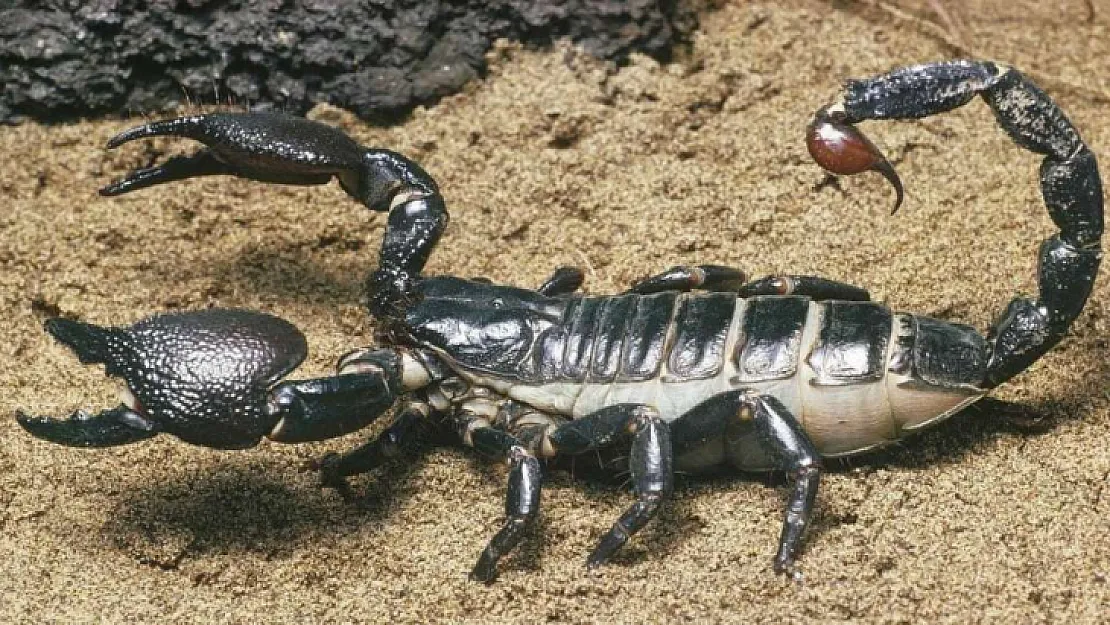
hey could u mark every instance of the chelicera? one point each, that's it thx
(693, 368)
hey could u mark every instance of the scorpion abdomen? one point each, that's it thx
(856, 375)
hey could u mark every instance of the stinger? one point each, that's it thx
(840, 148)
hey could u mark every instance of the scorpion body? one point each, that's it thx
(692, 368)
(854, 375)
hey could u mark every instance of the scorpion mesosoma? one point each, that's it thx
(693, 368)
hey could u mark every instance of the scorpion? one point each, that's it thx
(691, 369)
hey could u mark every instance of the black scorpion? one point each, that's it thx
(692, 368)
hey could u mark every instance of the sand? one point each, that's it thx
(999, 515)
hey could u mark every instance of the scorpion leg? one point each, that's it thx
(727, 279)
(564, 281)
(279, 148)
(399, 439)
(1069, 177)
(737, 413)
(687, 278)
(522, 500)
(810, 286)
(650, 462)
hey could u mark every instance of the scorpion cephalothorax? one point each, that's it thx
(690, 369)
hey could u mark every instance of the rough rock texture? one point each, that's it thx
(63, 59)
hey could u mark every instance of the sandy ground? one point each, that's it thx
(555, 159)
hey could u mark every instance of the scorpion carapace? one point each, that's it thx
(690, 369)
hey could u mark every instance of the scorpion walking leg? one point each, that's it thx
(564, 281)
(1070, 184)
(727, 279)
(522, 501)
(740, 412)
(400, 438)
(810, 286)
(650, 461)
(686, 278)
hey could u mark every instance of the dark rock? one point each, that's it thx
(62, 59)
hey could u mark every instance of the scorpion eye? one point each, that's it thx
(839, 148)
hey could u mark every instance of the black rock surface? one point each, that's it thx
(63, 59)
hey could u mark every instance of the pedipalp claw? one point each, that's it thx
(116, 426)
(840, 148)
(91, 343)
(203, 376)
(267, 147)
(203, 163)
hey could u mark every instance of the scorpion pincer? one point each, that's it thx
(690, 369)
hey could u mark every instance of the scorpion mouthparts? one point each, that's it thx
(840, 148)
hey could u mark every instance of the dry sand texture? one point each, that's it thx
(554, 159)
